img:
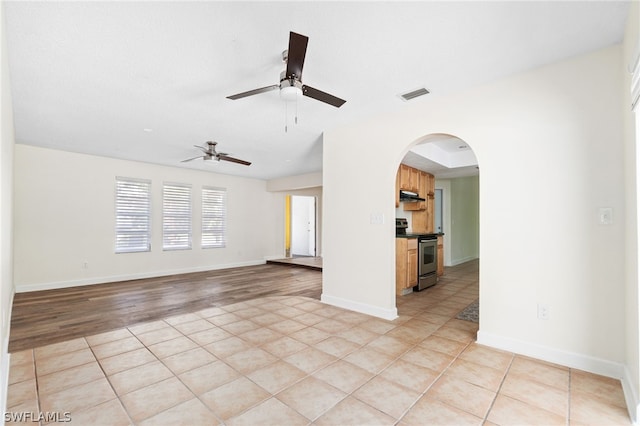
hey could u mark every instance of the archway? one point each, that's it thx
(452, 210)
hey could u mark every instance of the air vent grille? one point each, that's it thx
(414, 94)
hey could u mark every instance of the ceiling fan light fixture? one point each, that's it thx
(290, 90)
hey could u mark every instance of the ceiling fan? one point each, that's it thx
(291, 86)
(210, 153)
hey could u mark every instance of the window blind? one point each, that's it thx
(133, 215)
(176, 216)
(214, 212)
(635, 81)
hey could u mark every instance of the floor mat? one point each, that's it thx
(471, 312)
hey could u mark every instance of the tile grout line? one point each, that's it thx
(109, 381)
(486, 416)
(35, 376)
(423, 394)
(177, 376)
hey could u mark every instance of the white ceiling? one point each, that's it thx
(92, 76)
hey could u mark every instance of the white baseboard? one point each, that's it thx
(281, 256)
(575, 360)
(117, 278)
(388, 314)
(455, 262)
(630, 395)
(4, 381)
(583, 362)
(5, 361)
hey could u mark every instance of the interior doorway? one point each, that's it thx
(302, 226)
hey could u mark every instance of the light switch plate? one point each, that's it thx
(377, 218)
(605, 216)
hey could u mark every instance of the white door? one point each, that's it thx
(303, 226)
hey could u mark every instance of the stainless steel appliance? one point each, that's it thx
(427, 261)
(427, 254)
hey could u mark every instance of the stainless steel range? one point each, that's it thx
(427, 261)
(427, 254)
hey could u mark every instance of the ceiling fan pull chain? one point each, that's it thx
(286, 117)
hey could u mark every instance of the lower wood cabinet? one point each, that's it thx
(440, 266)
(406, 264)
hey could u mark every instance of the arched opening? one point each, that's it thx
(449, 214)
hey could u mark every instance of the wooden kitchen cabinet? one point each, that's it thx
(422, 213)
(440, 254)
(409, 178)
(406, 264)
(398, 188)
(430, 187)
(423, 187)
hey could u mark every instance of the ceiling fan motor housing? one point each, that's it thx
(290, 88)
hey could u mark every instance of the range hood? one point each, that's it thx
(409, 196)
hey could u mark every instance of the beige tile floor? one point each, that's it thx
(293, 360)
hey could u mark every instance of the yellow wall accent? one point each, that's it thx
(287, 225)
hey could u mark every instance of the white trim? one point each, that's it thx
(4, 380)
(575, 360)
(630, 396)
(583, 362)
(115, 278)
(6, 360)
(275, 257)
(387, 314)
(463, 260)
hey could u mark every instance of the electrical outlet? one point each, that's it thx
(605, 216)
(543, 311)
(376, 218)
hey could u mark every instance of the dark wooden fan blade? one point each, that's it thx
(233, 160)
(296, 54)
(322, 96)
(254, 92)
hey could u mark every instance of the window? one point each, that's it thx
(133, 215)
(214, 206)
(176, 216)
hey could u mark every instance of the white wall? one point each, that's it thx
(632, 184)
(64, 216)
(464, 222)
(550, 145)
(6, 211)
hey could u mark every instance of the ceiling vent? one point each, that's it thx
(414, 94)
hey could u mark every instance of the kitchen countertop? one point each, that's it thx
(409, 235)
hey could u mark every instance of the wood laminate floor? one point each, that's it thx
(44, 317)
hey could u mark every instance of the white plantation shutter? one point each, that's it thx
(133, 215)
(635, 81)
(176, 216)
(214, 217)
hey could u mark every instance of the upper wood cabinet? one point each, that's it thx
(409, 178)
(430, 189)
(398, 189)
(423, 179)
(423, 183)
